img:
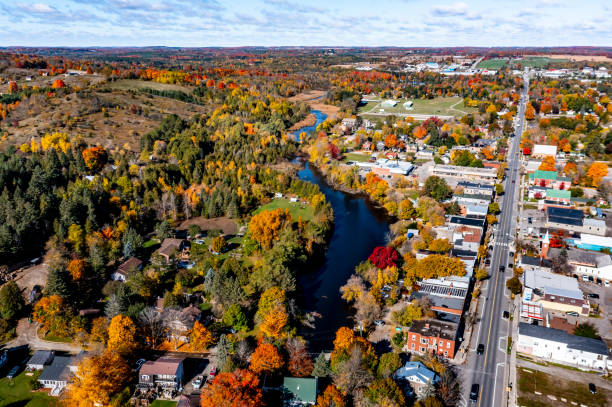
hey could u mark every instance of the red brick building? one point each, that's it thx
(434, 336)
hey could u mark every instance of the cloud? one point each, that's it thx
(456, 9)
(37, 8)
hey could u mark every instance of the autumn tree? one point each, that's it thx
(99, 330)
(97, 379)
(200, 337)
(331, 397)
(390, 141)
(548, 164)
(388, 364)
(514, 285)
(265, 226)
(406, 210)
(384, 256)
(11, 300)
(299, 363)
(122, 335)
(57, 84)
(596, 172)
(419, 132)
(275, 322)
(239, 388)
(12, 87)
(408, 314)
(385, 392)
(480, 274)
(266, 359)
(47, 309)
(95, 157)
(529, 112)
(76, 268)
(218, 244)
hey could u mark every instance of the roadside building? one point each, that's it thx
(542, 151)
(473, 188)
(535, 263)
(417, 376)
(483, 175)
(300, 391)
(573, 220)
(467, 238)
(536, 192)
(586, 263)
(558, 346)
(472, 199)
(592, 242)
(543, 290)
(446, 294)
(59, 373)
(462, 221)
(559, 196)
(129, 266)
(549, 179)
(165, 372)
(434, 336)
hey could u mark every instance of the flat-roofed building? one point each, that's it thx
(433, 336)
(587, 263)
(483, 175)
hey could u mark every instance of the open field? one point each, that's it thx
(17, 392)
(163, 403)
(228, 226)
(444, 106)
(494, 63)
(594, 58)
(314, 98)
(527, 61)
(295, 208)
(356, 157)
(136, 84)
(530, 381)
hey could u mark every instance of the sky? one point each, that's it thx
(209, 23)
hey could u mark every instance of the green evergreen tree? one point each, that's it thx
(11, 301)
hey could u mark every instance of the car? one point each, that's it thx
(510, 265)
(572, 313)
(197, 382)
(506, 314)
(510, 254)
(592, 388)
(502, 269)
(13, 372)
(607, 283)
(594, 296)
(474, 392)
(379, 322)
(480, 349)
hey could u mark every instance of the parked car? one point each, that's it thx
(197, 382)
(592, 388)
(606, 283)
(511, 254)
(594, 296)
(572, 313)
(474, 392)
(379, 322)
(480, 349)
(13, 372)
(506, 314)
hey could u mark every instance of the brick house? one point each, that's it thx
(434, 336)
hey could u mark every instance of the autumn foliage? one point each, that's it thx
(266, 359)
(239, 388)
(596, 172)
(95, 157)
(122, 335)
(548, 164)
(57, 84)
(265, 226)
(331, 397)
(12, 87)
(383, 257)
(200, 337)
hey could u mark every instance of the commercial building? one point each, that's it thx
(587, 263)
(434, 336)
(446, 294)
(542, 151)
(472, 188)
(573, 220)
(544, 290)
(472, 199)
(558, 346)
(384, 166)
(485, 175)
(592, 242)
(549, 179)
(535, 263)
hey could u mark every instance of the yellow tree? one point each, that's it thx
(274, 322)
(548, 164)
(265, 226)
(122, 335)
(97, 380)
(200, 337)
(596, 172)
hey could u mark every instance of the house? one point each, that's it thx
(472, 199)
(472, 188)
(466, 238)
(446, 294)
(558, 346)
(183, 321)
(549, 179)
(536, 192)
(592, 242)
(169, 247)
(459, 221)
(165, 372)
(542, 150)
(483, 175)
(432, 335)
(56, 375)
(543, 290)
(40, 359)
(299, 391)
(348, 125)
(559, 195)
(130, 265)
(587, 263)
(416, 375)
(573, 220)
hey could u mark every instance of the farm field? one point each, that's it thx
(356, 157)
(443, 106)
(295, 208)
(529, 61)
(163, 403)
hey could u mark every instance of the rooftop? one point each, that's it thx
(435, 328)
(161, 366)
(40, 357)
(467, 184)
(129, 265)
(415, 370)
(544, 149)
(539, 174)
(169, 246)
(536, 261)
(557, 335)
(303, 389)
(460, 220)
(58, 370)
(552, 283)
(583, 257)
(558, 193)
(564, 215)
(595, 240)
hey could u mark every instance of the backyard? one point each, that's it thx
(531, 381)
(356, 157)
(296, 209)
(17, 392)
(163, 403)
(443, 106)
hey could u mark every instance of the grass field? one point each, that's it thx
(356, 157)
(295, 208)
(437, 106)
(18, 393)
(532, 62)
(492, 63)
(530, 381)
(163, 403)
(135, 84)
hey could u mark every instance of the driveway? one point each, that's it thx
(27, 335)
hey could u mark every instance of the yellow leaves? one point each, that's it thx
(275, 322)
(596, 172)
(25, 148)
(58, 141)
(200, 337)
(122, 335)
(548, 164)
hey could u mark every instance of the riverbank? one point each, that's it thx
(314, 98)
(308, 121)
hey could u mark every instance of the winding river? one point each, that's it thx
(359, 228)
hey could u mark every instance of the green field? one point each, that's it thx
(494, 63)
(295, 208)
(136, 84)
(443, 106)
(530, 381)
(17, 392)
(532, 62)
(356, 157)
(163, 403)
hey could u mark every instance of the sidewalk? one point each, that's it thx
(511, 359)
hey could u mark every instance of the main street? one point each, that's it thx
(487, 369)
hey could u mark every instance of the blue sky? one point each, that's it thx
(432, 23)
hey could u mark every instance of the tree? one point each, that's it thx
(439, 246)
(448, 387)
(122, 335)
(406, 210)
(58, 84)
(499, 189)
(321, 366)
(429, 402)
(331, 397)
(491, 219)
(383, 257)
(299, 363)
(47, 310)
(352, 374)
(494, 208)
(76, 268)
(385, 392)
(408, 314)
(265, 226)
(514, 285)
(152, 323)
(275, 322)
(480, 274)
(97, 379)
(235, 318)
(596, 172)
(529, 112)
(12, 87)
(218, 244)
(239, 388)
(388, 364)
(163, 230)
(419, 132)
(99, 330)
(548, 164)
(11, 300)
(200, 337)
(95, 158)
(587, 330)
(266, 359)
(437, 188)
(194, 230)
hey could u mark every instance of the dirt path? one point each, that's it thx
(27, 335)
(457, 110)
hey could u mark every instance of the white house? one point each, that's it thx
(542, 150)
(587, 263)
(559, 346)
(388, 103)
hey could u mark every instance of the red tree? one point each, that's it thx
(526, 151)
(236, 389)
(383, 257)
(334, 152)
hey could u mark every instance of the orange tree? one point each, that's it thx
(239, 388)
(122, 335)
(548, 164)
(266, 359)
(94, 157)
(343, 345)
(266, 226)
(596, 172)
(200, 337)
(331, 397)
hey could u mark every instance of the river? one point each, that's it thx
(358, 229)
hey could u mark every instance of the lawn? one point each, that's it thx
(538, 62)
(136, 84)
(295, 208)
(356, 157)
(530, 381)
(18, 392)
(163, 403)
(437, 106)
(494, 63)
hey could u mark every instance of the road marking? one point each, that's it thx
(495, 384)
(499, 344)
(480, 323)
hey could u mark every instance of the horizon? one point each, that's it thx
(282, 23)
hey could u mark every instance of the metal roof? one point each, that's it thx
(557, 335)
(58, 370)
(552, 283)
(460, 220)
(303, 389)
(565, 215)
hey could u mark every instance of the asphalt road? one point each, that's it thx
(488, 369)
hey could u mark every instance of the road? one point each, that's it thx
(488, 369)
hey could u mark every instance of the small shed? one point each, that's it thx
(40, 359)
